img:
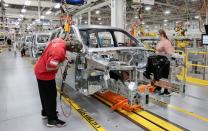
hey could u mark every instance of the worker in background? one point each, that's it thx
(9, 43)
(164, 47)
(45, 71)
(15, 48)
(23, 49)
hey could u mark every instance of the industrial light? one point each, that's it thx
(42, 16)
(21, 15)
(57, 6)
(99, 18)
(165, 20)
(136, 17)
(147, 8)
(27, 2)
(48, 12)
(6, 5)
(100, 23)
(23, 10)
(167, 12)
(97, 12)
(197, 17)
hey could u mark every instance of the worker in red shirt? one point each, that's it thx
(45, 71)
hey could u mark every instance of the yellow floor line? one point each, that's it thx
(135, 117)
(182, 110)
(188, 112)
(83, 114)
(159, 121)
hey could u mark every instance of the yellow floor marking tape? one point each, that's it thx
(188, 112)
(181, 110)
(159, 121)
(135, 117)
(84, 115)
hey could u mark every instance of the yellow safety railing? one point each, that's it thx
(184, 72)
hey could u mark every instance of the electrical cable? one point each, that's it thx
(62, 89)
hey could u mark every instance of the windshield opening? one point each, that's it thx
(43, 38)
(101, 38)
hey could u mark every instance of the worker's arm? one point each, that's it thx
(159, 47)
(55, 60)
(52, 65)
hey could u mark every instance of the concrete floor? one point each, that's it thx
(20, 104)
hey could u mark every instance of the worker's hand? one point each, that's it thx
(69, 59)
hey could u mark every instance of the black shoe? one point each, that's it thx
(57, 122)
(158, 90)
(146, 74)
(44, 116)
(165, 94)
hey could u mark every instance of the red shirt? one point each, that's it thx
(53, 55)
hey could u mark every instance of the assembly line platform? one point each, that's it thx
(20, 106)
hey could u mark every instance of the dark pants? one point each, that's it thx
(159, 66)
(23, 52)
(48, 94)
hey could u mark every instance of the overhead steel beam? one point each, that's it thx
(98, 6)
(28, 16)
(15, 13)
(47, 4)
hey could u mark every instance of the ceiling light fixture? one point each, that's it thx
(136, 17)
(165, 24)
(48, 12)
(42, 16)
(143, 23)
(23, 10)
(21, 15)
(99, 18)
(6, 5)
(85, 22)
(147, 8)
(166, 20)
(97, 12)
(57, 6)
(27, 2)
(19, 19)
(100, 23)
(167, 12)
(197, 17)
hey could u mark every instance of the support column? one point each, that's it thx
(89, 17)
(80, 19)
(118, 13)
(75, 20)
(118, 16)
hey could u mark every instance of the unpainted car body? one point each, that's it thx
(39, 42)
(109, 60)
